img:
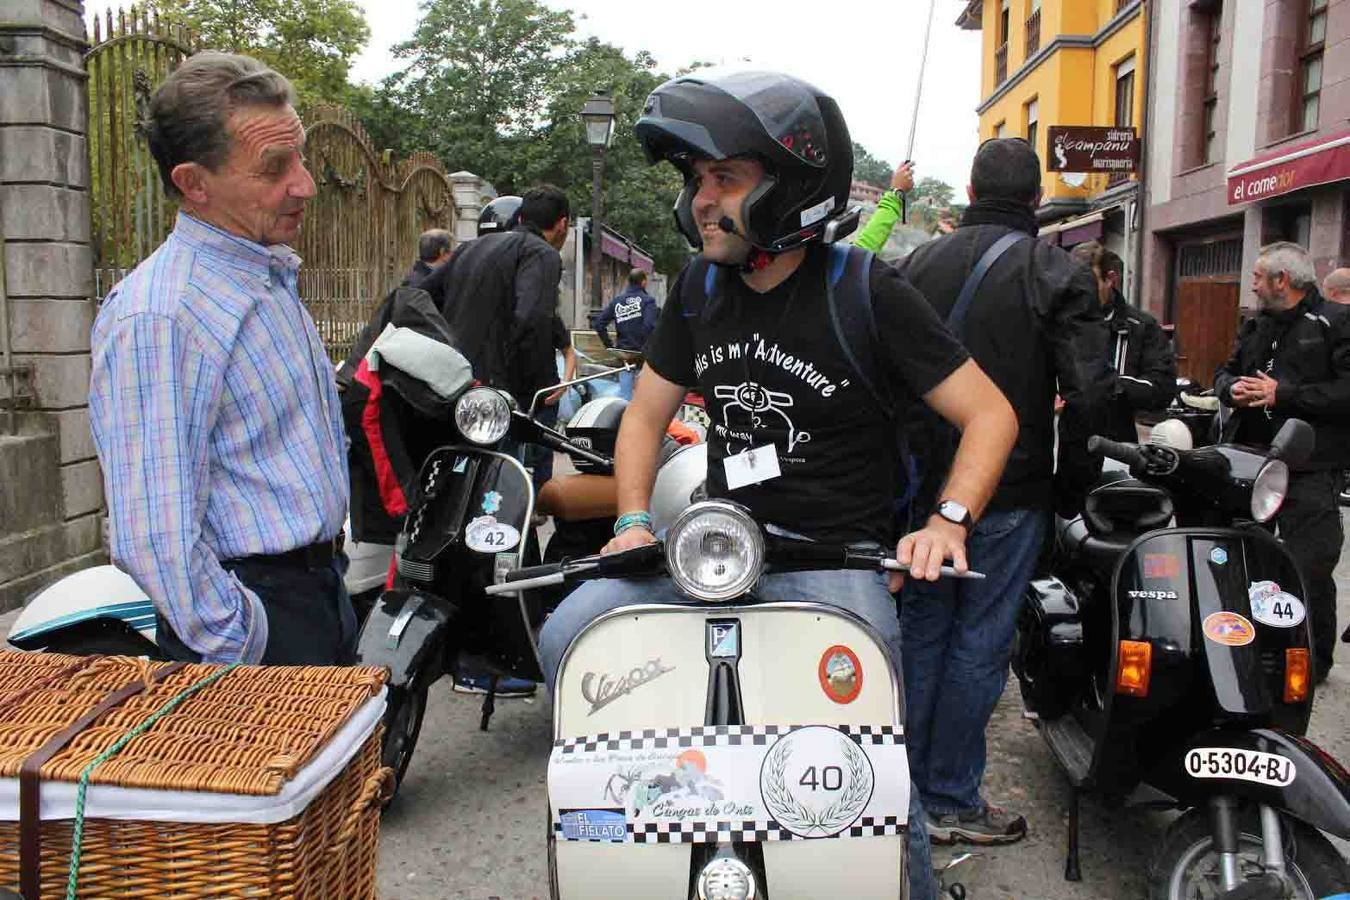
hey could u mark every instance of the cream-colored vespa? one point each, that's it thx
(729, 748)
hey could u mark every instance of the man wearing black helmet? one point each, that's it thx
(803, 431)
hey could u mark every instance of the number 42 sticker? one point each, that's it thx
(486, 535)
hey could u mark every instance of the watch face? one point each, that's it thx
(953, 511)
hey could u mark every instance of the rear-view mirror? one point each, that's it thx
(1294, 443)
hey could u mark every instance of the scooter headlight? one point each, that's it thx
(714, 551)
(1269, 489)
(483, 415)
(726, 878)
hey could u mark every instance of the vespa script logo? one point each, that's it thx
(600, 690)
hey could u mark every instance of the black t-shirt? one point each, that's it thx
(771, 371)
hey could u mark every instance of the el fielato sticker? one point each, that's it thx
(1229, 629)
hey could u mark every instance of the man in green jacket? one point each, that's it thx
(878, 229)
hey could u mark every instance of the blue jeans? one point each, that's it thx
(626, 382)
(957, 643)
(862, 593)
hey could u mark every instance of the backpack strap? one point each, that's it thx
(848, 296)
(956, 319)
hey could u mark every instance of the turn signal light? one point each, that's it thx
(1136, 665)
(1295, 674)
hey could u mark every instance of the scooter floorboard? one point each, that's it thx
(1071, 745)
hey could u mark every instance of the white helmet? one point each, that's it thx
(1172, 433)
(677, 480)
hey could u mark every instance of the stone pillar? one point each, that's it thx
(471, 195)
(50, 514)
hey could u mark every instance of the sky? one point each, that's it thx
(864, 53)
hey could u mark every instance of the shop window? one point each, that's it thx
(1308, 86)
(1288, 222)
(1033, 116)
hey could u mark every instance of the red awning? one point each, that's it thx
(1291, 168)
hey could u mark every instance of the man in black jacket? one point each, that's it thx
(1138, 352)
(499, 295)
(1292, 360)
(1035, 324)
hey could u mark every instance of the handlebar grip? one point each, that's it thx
(1130, 454)
(532, 572)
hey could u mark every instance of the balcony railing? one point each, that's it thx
(1033, 33)
(1001, 65)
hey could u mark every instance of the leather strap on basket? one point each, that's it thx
(30, 781)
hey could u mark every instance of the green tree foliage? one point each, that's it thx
(496, 87)
(311, 42)
(869, 169)
(937, 192)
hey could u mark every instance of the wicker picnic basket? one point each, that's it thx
(189, 769)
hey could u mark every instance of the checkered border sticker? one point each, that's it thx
(754, 831)
(716, 736)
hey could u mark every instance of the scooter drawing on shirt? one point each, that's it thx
(754, 405)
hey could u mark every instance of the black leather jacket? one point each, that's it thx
(1307, 349)
(1145, 366)
(1034, 326)
(499, 295)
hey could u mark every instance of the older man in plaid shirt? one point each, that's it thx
(212, 401)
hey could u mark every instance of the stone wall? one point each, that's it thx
(51, 492)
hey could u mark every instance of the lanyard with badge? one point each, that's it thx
(756, 465)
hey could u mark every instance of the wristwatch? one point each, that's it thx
(956, 513)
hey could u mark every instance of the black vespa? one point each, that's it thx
(469, 523)
(1166, 662)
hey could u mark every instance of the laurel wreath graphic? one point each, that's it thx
(790, 811)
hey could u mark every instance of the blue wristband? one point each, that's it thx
(633, 520)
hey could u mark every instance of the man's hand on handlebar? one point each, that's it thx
(924, 551)
(628, 539)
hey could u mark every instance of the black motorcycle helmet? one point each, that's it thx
(796, 132)
(501, 214)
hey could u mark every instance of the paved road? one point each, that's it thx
(470, 820)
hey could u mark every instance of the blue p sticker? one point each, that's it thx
(594, 825)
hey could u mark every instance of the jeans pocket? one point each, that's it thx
(998, 524)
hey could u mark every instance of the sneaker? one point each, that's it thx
(506, 687)
(991, 825)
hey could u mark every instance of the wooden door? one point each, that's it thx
(1206, 315)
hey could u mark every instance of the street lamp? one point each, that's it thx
(598, 114)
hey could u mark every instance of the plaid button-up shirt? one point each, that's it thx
(216, 419)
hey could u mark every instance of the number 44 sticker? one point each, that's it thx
(1272, 606)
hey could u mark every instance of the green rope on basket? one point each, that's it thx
(78, 838)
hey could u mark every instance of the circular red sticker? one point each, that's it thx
(1229, 629)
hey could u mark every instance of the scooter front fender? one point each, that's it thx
(404, 632)
(1319, 793)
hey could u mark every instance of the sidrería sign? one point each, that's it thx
(1075, 148)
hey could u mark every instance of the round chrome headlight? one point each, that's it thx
(1269, 489)
(483, 415)
(714, 551)
(726, 878)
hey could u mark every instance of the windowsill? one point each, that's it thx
(1193, 169)
(1292, 137)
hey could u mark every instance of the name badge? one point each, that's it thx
(752, 466)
